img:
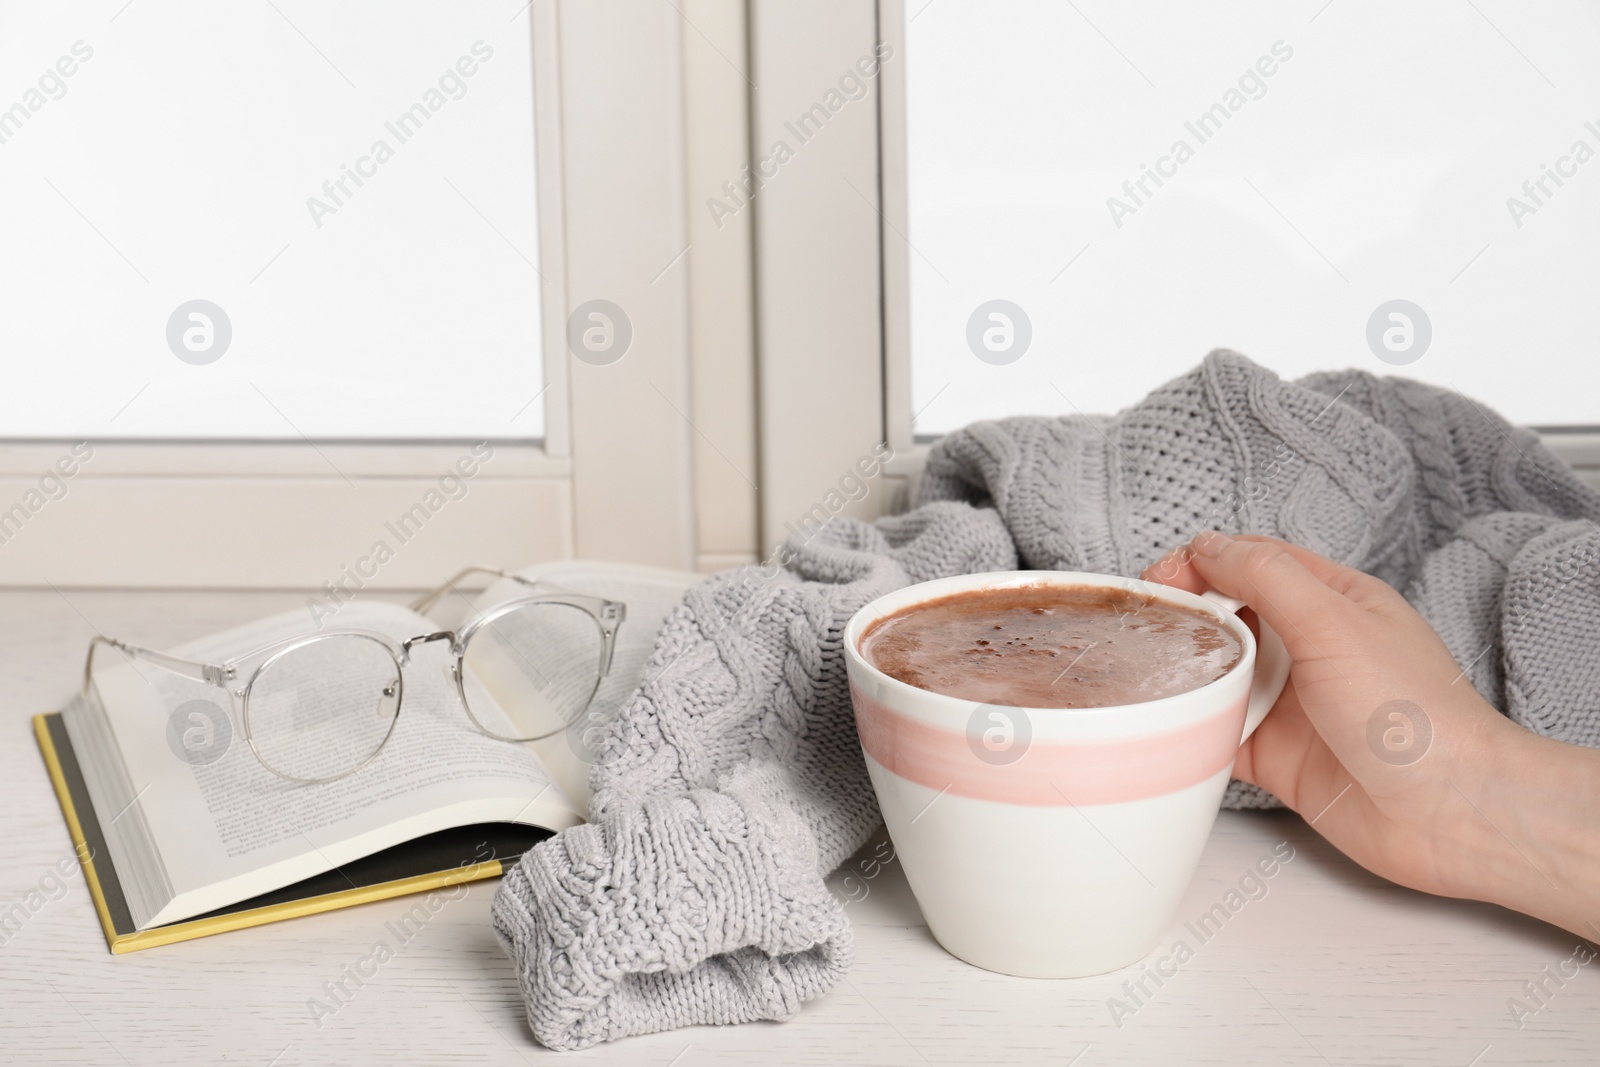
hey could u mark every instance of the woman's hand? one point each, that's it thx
(1380, 742)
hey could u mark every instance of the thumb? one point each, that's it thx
(1287, 596)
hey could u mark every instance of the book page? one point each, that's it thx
(226, 828)
(650, 593)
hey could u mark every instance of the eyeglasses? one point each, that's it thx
(319, 706)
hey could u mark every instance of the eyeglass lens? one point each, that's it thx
(322, 709)
(539, 664)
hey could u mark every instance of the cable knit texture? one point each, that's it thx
(733, 783)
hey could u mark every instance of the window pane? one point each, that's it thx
(1147, 182)
(351, 184)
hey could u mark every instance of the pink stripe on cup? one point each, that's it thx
(1050, 773)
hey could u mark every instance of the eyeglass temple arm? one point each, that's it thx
(612, 615)
(210, 673)
(424, 603)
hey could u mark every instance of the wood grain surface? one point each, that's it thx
(1330, 966)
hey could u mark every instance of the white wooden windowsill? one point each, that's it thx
(1332, 965)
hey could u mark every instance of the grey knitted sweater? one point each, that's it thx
(732, 783)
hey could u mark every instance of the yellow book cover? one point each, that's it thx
(446, 858)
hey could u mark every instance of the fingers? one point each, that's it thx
(1273, 756)
(1336, 576)
(1270, 578)
(1176, 569)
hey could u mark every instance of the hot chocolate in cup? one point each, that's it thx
(1048, 749)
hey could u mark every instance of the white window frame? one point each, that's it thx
(818, 250)
(613, 476)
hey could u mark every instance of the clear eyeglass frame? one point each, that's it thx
(608, 616)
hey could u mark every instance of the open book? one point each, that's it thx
(187, 838)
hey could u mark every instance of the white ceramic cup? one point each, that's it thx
(1054, 843)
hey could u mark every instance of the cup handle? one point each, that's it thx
(1272, 666)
